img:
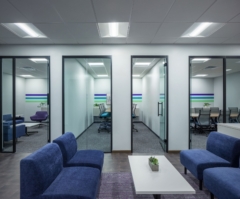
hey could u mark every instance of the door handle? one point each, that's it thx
(161, 109)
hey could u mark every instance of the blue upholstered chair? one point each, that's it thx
(223, 183)
(222, 151)
(8, 131)
(42, 176)
(7, 118)
(71, 157)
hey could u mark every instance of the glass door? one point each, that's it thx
(7, 131)
(162, 104)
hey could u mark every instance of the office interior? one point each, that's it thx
(207, 89)
(149, 97)
(25, 85)
(87, 101)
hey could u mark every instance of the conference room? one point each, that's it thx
(25, 103)
(214, 96)
(87, 100)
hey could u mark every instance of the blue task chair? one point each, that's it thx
(105, 124)
(134, 115)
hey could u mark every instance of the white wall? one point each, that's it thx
(102, 86)
(232, 90)
(20, 96)
(218, 92)
(121, 71)
(7, 89)
(150, 98)
(79, 85)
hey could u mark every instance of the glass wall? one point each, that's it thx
(87, 101)
(206, 98)
(232, 90)
(149, 104)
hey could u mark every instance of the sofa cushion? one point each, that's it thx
(74, 183)
(39, 170)
(224, 146)
(89, 158)
(196, 160)
(68, 145)
(224, 183)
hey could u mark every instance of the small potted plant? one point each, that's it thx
(153, 163)
(96, 104)
(205, 105)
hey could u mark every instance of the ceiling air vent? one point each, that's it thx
(28, 68)
(211, 67)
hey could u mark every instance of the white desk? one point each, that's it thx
(232, 129)
(30, 125)
(165, 181)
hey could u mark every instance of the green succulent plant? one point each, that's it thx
(153, 160)
(206, 104)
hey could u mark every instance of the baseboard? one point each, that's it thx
(121, 151)
(174, 151)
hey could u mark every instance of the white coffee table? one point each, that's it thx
(30, 125)
(165, 181)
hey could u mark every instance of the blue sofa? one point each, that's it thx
(8, 131)
(7, 118)
(222, 151)
(71, 157)
(42, 176)
(224, 183)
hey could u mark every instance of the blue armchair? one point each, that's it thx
(222, 151)
(9, 119)
(42, 176)
(8, 131)
(71, 157)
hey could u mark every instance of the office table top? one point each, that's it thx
(108, 110)
(194, 115)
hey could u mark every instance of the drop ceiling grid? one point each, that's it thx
(152, 21)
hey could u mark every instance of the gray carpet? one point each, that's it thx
(144, 141)
(29, 144)
(91, 139)
(199, 141)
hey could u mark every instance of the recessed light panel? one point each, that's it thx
(200, 75)
(142, 63)
(113, 29)
(39, 60)
(26, 75)
(136, 75)
(228, 69)
(96, 64)
(203, 29)
(24, 30)
(200, 60)
(102, 75)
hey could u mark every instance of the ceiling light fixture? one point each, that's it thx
(136, 75)
(96, 64)
(203, 29)
(200, 60)
(113, 29)
(39, 60)
(142, 63)
(200, 75)
(24, 30)
(26, 75)
(102, 75)
(228, 69)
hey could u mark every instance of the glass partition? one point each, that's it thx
(206, 98)
(232, 90)
(87, 101)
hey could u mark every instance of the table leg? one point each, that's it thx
(26, 131)
(157, 196)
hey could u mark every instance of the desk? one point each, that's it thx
(194, 115)
(213, 115)
(234, 115)
(108, 110)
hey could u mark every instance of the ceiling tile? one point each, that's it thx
(56, 32)
(6, 33)
(234, 40)
(114, 40)
(236, 19)
(37, 11)
(113, 10)
(188, 40)
(229, 30)
(142, 32)
(164, 40)
(15, 40)
(75, 10)
(221, 11)
(84, 32)
(151, 10)
(9, 14)
(212, 40)
(172, 29)
(187, 10)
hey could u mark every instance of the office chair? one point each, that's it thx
(104, 125)
(204, 120)
(233, 115)
(134, 115)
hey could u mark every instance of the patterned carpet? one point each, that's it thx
(120, 186)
